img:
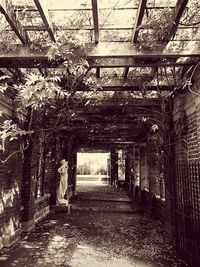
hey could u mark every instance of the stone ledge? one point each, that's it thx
(41, 214)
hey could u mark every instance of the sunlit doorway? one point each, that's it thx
(93, 168)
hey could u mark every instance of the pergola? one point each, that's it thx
(105, 75)
(112, 32)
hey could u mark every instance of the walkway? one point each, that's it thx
(102, 232)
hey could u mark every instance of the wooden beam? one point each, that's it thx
(31, 8)
(131, 102)
(45, 17)
(131, 62)
(83, 131)
(131, 88)
(34, 60)
(106, 126)
(122, 53)
(119, 84)
(95, 20)
(8, 12)
(179, 9)
(128, 50)
(138, 19)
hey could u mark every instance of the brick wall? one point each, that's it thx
(10, 184)
(19, 210)
(186, 117)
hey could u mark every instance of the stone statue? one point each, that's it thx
(63, 183)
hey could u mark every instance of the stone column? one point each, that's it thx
(114, 166)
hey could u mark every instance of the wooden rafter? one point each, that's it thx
(179, 9)
(138, 20)
(45, 17)
(125, 73)
(98, 72)
(32, 8)
(8, 12)
(95, 20)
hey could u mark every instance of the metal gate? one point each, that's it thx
(187, 187)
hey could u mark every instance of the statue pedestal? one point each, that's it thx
(62, 208)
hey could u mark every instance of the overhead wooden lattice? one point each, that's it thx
(129, 45)
(111, 30)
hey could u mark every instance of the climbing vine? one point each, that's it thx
(47, 99)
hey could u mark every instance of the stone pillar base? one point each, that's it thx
(28, 226)
(9, 240)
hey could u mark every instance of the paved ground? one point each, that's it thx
(101, 231)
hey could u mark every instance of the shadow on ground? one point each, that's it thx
(88, 238)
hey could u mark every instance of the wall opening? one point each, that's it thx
(93, 168)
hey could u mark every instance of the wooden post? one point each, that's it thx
(70, 166)
(143, 167)
(153, 172)
(53, 156)
(137, 172)
(27, 194)
(74, 172)
(132, 169)
(128, 170)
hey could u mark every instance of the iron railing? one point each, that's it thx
(187, 185)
